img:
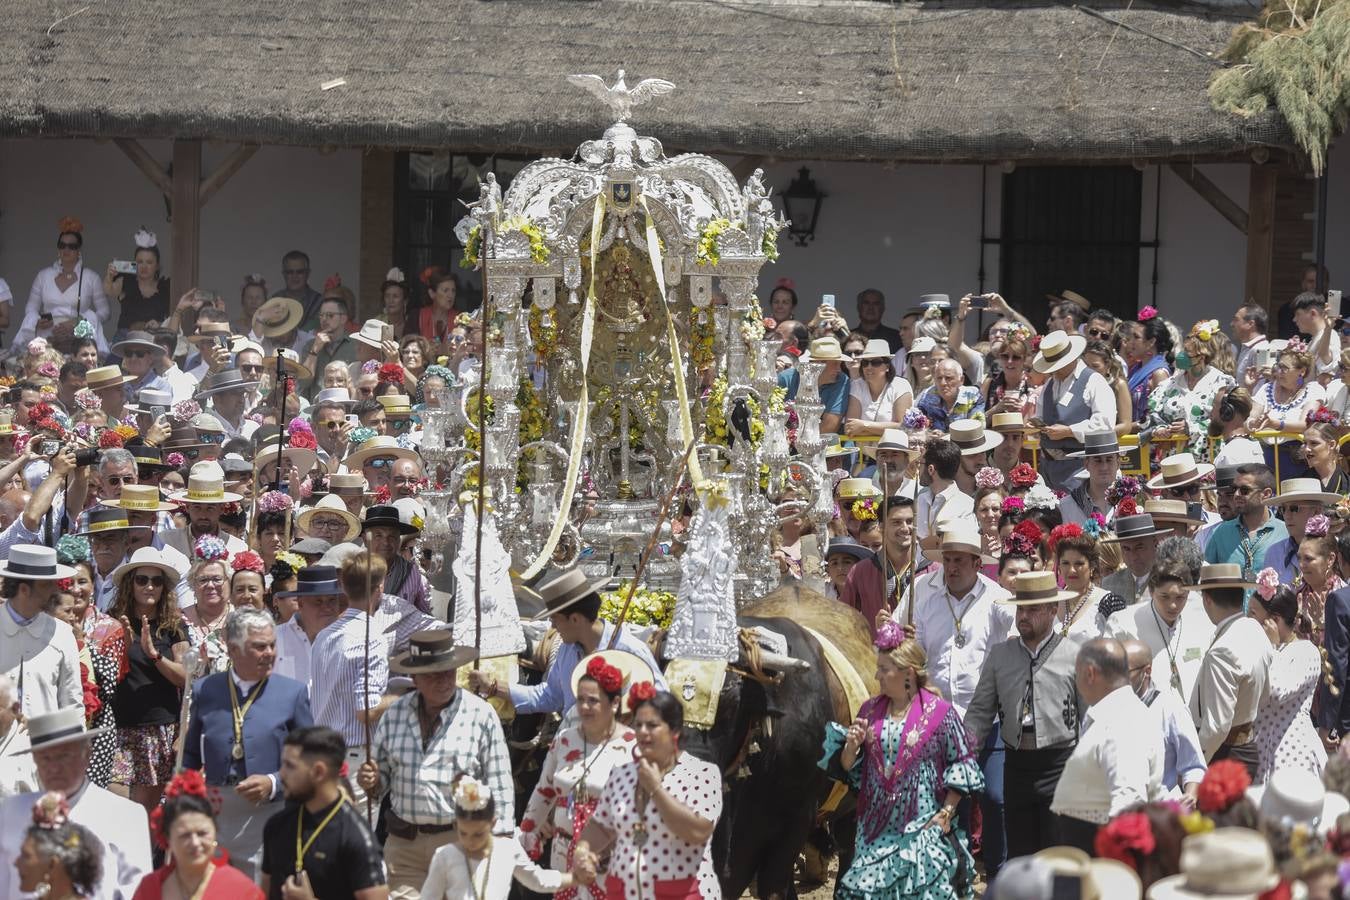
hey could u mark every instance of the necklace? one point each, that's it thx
(1167, 645)
(302, 849)
(960, 640)
(480, 890)
(238, 712)
(640, 800)
(580, 794)
(1073, 616)
(201, 885)
(1283, 407)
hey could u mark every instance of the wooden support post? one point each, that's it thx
(1212, 194)
(232, 163)
(142, 159)
(187, 177)
(1261, 235)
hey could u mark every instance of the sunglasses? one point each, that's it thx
(1098, 334)
(1010, 357)
(295, 271)
(212, 437)
(250, 368)
(119, 479)
(137, 354)
(874, 362)
(153, 580)
(67, 245)
(1190, 490)
(381, 462)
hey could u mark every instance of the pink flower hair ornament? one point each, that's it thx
(890, 635)
(1148, 312)
(988, 477)
(1317, 526)
(1267, 583)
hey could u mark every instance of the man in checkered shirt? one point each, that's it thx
(424, 742)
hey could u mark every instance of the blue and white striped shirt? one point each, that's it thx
(337, 670)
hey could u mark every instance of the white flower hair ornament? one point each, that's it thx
(1040, 497)
(470, 795)
(146, 239)
(395, 274)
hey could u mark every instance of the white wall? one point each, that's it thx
(282, 199)
(1338, 215)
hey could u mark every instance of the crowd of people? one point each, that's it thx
(1102, 563)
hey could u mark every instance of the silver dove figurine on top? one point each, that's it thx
(621, 98)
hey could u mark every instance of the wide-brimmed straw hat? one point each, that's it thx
(1178, 470)
(1223, 864)
(1302, 490)
(431, 651)
(372, 333)
(278, 316)
(32, 562)
(107, 519)
(1058, 349)
(104, 377)
(566, 590)
(857, 489)
(331, 504)
(149, 558)
(1006, 422)
(1175, 511)
(1031, 588)
(1222, 575)
(346, 483)
(877, 348)
(1098, 879)
(380, 445)
(290, 363)
(970, 435)
(64, 726)
(826, 349)
(206, 484)
(302, 458)
(962, 537)
(1073, 297)
(396, 404)
(140, 498)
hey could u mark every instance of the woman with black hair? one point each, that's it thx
(144, 294)
(185, 826)
(1285, 737)
(59, 860)
(581, 759)
(657, 813)
(479, 865)
(1149, 352)
(63, 293)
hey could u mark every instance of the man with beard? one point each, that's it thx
(1138, 539)
(319, 844)
(892, 466)
(204, 501)
(1244, 540)
(318, 604)
(875, 586)
(107, 530)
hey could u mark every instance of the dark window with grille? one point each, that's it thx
(1071, 228)
(429, 189)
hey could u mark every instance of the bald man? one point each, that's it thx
(12, 505)
(1183, 760)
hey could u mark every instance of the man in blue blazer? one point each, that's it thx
(238, 721)
(1333, 709)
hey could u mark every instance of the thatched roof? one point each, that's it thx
(836, 80)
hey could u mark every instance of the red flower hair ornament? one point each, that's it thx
(607, 676)
(390, 373)
(189, 782)
(1022, 475)
(1060, 532)
(1224, 784)
(639, 694)
(1126, 838)
(1028, 529)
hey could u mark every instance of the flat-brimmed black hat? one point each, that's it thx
(314, 581)
(1097, 443)
(431, 651)
(224, 380)
(1225, 476)
(148, 457)
(1131, 528)
(387, 515)
(850, 546)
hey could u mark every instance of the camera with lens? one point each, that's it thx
(87, 456)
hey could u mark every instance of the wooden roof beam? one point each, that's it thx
(1212, 194)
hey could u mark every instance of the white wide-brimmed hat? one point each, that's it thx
(206, 484)
(331, 504)
(1178, 470)
(970, 435)
(876, 348)
(372, 333)
(1223, 864)
(1302, 490)
(149, 558)
(32, 562)
(1058, 349)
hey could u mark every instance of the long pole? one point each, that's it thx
(661, 517)
(365, 691)
(482, 492)
(281, 417)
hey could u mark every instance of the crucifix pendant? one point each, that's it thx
(960, 638)
(237, 751)
(1176, 679)
(639, 835)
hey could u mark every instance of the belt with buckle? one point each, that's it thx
(1241, 734)
(401, 828)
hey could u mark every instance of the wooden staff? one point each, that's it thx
(482, 497)
(651, 542)
(365, 691)
(913, 569)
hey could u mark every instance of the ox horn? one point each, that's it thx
(778, 662)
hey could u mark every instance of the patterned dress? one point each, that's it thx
(574, 776)
(901, 777)
(1285, 736)
(104, 642)
(648, 860)
(1175, 401)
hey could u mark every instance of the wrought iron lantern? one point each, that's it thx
(801, 205)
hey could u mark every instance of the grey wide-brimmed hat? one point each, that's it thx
(63, 726)
(1132, 528)
(139, 340)
(224, 380)
(1097, 443)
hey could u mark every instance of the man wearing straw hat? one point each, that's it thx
(974, 442)
(61, 746)
(1014, 430)
(1076, 400)
(36, 650)
(425, 741)
(1298, 501)
(204, 501)
(1234, 680)
(1028, 682)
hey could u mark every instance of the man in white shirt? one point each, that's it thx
(318, 604)
(942, 499)
(1138, 539)
(17, 775)
(956, 616)
(61, 748)
(1183, 761)
(36, 650)
(1249, 333)
(1119, 758)
(1074, 402)
(1172, 621)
